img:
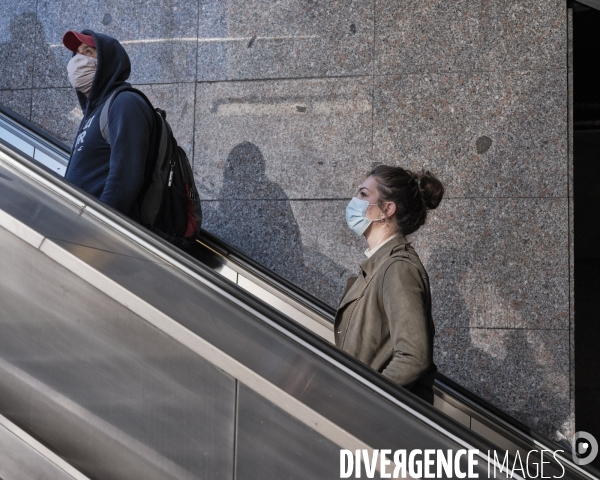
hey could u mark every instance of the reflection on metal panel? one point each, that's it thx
(452, 411)
(49, 162)
(271, 444)
(24, 458)
(496, 438)
(106, 389)
(32, 145)
(285, 308)
(16, 142)
(591, 3)
(227, 272)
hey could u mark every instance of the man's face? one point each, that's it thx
(86, 50)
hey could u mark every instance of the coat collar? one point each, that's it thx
(370, 266)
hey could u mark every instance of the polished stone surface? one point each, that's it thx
(523, 372)
(435, 122)
(19, 101)
(57, 111)
(416, 36)
(492, 263)
(17, 23)
(310, 137)
(264, 432)
(258, 39)
(159, 36)
(498, 263)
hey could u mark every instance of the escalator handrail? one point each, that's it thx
(326, 311)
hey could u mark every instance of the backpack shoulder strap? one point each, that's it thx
(103, 122)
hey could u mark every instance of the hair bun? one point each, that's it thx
(414, 193)
(432, 190)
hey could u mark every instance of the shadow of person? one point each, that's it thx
(27, 55)
(16, 56)
(483, 343)
(254, 214)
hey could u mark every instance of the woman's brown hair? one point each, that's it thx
(414, 193)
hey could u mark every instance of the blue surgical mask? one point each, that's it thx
(356, 215)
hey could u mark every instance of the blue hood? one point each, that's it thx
(112, 71)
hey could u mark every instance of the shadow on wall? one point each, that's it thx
(524, 372)
(13, 54)
(54, 110)
(254, 214)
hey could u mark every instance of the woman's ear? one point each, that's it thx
(389, 210)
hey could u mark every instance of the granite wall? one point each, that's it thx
(285, 105)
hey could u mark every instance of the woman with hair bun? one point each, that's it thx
(384, 318)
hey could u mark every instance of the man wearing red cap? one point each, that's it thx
(115, 172)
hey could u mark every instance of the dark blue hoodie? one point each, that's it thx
(116, 173)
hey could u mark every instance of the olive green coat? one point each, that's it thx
(384, 318)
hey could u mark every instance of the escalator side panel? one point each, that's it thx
(47, 214)
(109, 391)
(270, 443)
(260, 348)
(23, 458)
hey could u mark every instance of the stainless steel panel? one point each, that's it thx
(271, 444)
(16, 141)
(55, 217)
(285, 308)
(106, 389)
(266, 351)
(20, 136)
(49, 162)
(452, 411)
(20, 460)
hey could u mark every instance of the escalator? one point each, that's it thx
(207, 367)
(24, 458)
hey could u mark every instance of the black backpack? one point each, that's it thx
(170, 204)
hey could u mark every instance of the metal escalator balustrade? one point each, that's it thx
(29, 459)
(318, 318)
(182, 371)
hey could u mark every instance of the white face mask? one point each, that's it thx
(81, 70)
(356, 215)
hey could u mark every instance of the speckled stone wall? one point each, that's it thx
(284, 106)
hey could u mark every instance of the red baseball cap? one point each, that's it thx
(73, 39)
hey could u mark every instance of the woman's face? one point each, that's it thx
(368, 191)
